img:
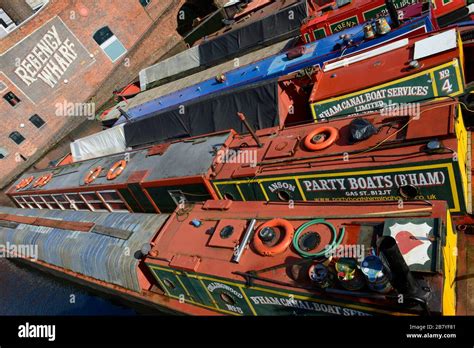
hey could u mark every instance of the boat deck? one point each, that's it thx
(207, 74)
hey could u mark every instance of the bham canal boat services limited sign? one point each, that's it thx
(442, 81)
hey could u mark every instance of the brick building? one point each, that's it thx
(69, 52)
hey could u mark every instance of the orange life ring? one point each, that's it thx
(92, 175)
(43, 180)
(280, 247)
(310, 145)
(116, 169)
(25, 182)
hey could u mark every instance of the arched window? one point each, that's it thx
(37, 121)
(3, 153)
(109, 43)
(16, 137)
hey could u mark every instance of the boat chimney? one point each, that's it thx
(402, 278)
(124, 114)
(249, 128)
(392, 11)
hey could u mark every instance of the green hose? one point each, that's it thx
(333, 245)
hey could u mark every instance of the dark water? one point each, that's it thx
(27, 291)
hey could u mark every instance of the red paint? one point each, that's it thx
(407, 241)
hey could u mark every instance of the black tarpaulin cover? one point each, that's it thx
(259, 103)
(278, 25)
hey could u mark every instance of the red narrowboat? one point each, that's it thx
(236, 258)
(424, 68)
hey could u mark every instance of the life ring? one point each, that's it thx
(92, 175)
(25, 182)
(43, 180)
(288, 231)
(310, 145)
(116, 169)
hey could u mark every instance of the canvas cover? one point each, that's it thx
(277, 26)
(107, 142)
(184, 61)
(258, 102)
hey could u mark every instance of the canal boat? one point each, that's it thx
(427, 67)
(253, 258)
(376, 157)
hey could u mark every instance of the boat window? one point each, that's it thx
(113, 200)
(29, 202)
(62, 201)
(94, 201)
(40, 203)
(145, 3)
(109, 43)
(52, 204)
(16, 137)
(12, 99)
(20, 202)
(37, 121)
(77, 202)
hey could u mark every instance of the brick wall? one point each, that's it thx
(147, 34)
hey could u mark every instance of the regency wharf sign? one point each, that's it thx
(42, 61)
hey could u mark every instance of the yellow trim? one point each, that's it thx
(341, 21)
(240, 192)
(450, 265)
(448, 166)
(264, 192)
(300, 189)
(453, 63)
(339, 304)
(433, 83)
(243, 290)
(191, 301)
(182, 284)
(461, 55)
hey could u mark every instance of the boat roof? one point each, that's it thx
(183, 158)
(77, 241)
(200, 249)
(390, 62)
(283, 151)
(315, 53)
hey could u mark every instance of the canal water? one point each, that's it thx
(27, 291)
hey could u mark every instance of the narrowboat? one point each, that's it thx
(253, 258)
(261, 23)
(149, 180)
(376, 157)
(313, 54)
(432, 66)
(330, 18)
(373, 157)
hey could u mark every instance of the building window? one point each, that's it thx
(3, 153)
(17, 137)
(37, 121)
(11, 98)
(109, 43)
(145, 3)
